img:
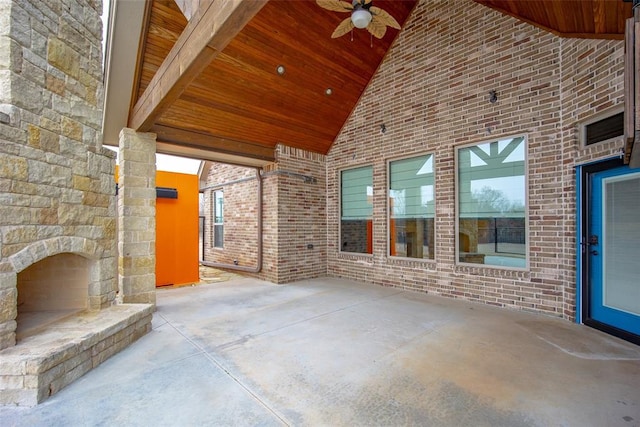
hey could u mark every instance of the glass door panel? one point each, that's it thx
(621, 236)
(614, 243)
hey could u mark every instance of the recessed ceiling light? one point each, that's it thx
(328, 91)
(280, 69)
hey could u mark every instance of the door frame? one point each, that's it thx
(583, 288)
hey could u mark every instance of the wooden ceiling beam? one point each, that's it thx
(211, 28)
(207, 155)
(208, 142)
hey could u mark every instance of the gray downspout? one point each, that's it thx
(258, 266)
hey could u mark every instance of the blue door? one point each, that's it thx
(613, 245)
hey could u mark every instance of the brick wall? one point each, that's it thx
(592, 82)
(432, 93)
(301, 186)
(293, 216)
(240, 190)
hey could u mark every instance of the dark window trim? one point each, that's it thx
(216, 225)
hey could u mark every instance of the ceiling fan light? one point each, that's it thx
(360, 18)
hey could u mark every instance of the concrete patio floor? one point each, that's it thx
(332, 352)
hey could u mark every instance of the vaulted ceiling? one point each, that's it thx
(205, 75)
(602, 19)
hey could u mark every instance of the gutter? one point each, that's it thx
(258, 267)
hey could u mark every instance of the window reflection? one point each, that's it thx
(411, 207)
(491, 203)
(356, 226)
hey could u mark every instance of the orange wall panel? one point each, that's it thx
(177, 230)
(177, 237)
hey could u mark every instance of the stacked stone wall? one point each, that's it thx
(137, 217)
(432, 94)
(56, 180)
(57, 196)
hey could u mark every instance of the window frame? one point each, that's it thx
(340, 171)
(388, 207)
(213, 219)
(526, 204)
(582, 126)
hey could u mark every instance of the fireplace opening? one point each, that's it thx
(50, 290)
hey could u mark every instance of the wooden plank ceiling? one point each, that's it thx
(602, 19)
(210, 82)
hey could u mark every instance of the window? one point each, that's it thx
(356, 202)
(602, 127)
(492, 225)
(411, 207)
(218, 219)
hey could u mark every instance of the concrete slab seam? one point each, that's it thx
(327, 313)
(219, 365)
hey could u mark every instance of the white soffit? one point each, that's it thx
(123, 39)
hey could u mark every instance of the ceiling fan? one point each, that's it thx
(363, 15)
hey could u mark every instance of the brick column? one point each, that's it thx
(137, 217)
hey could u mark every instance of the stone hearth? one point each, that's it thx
(42, 364)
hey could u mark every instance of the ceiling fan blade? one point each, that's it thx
(342, 29)
(384, 17)
(335, 5)
(377, 28)
(364, 2)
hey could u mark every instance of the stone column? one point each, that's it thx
(137, 217)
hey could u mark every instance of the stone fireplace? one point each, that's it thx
(59, 282)
(49, 290)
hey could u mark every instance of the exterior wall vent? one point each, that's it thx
(166, 193)
(603, 127)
